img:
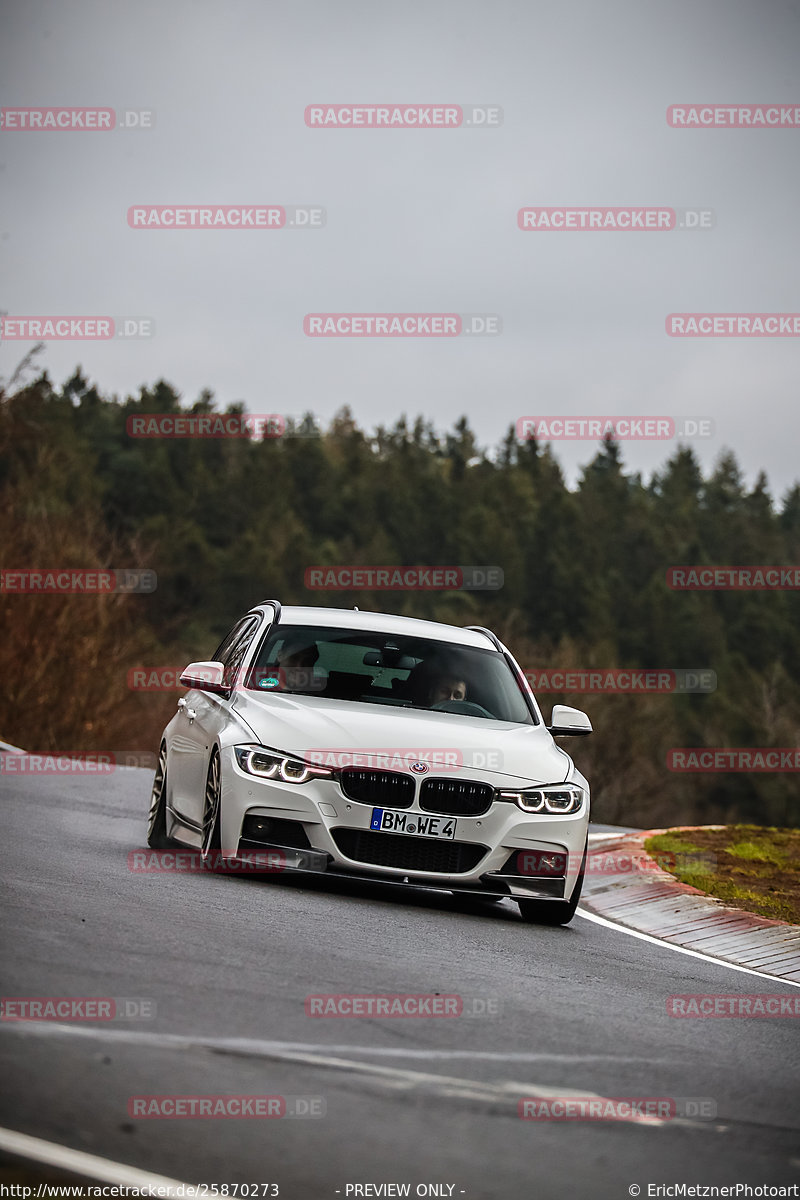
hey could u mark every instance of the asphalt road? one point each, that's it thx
(228, 961)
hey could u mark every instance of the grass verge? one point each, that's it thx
(751, 867)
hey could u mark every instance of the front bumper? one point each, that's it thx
(336, 837)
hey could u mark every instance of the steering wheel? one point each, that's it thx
(465, 708)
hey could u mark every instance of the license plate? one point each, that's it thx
(386, 820)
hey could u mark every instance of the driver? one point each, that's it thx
(447, 687)
(439, 680)
(296, 659)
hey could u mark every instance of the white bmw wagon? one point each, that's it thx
(376, 746)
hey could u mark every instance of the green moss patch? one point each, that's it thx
(754, 868)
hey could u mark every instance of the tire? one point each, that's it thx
(157, 817)
(554, 912)
(211, 802)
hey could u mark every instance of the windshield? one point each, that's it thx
(399, 671)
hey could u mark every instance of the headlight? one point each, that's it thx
(562, 798)
(271, 764)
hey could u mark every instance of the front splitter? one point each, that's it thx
(280, 859)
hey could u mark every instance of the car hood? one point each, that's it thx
(393, 737)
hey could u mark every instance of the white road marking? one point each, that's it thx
(504, 1091)
(521, 1056)
(708, 958)
(89, 1165)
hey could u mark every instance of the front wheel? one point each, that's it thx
(554, 912)
(157, 818)
(211, 824)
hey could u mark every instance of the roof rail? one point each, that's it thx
(276, 604)
(491, 636)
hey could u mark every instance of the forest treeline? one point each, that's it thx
(228, 522)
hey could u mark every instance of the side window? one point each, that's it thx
(233, 649)
(223, 649)
(239, 649)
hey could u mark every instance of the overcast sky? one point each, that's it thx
(416, 220)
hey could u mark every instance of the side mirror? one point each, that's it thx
(569, 722)
(206, 677)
